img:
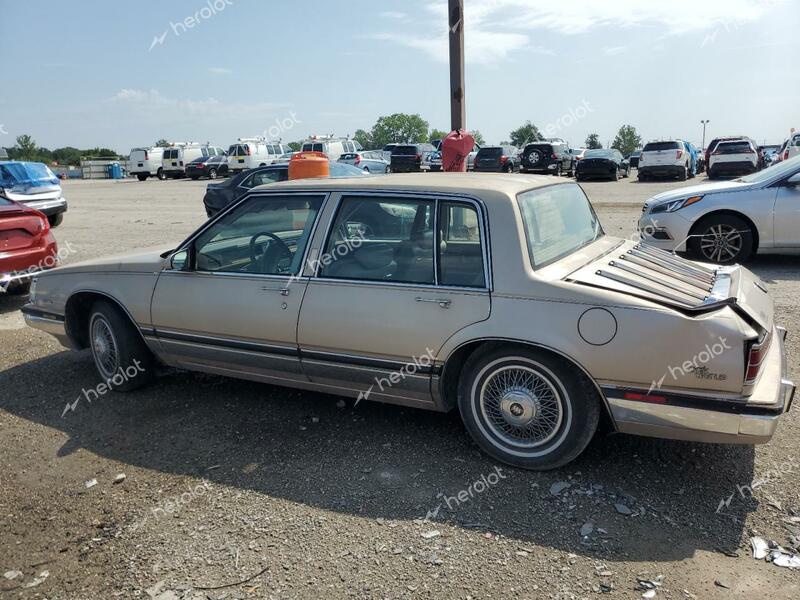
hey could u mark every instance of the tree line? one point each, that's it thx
(26, 148)
(399, 127)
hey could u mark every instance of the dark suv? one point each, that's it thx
(497, 159)
(407, 158)
(546, 157)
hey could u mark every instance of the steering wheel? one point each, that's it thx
(283, 249)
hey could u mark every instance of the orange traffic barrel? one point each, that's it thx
(309, 164)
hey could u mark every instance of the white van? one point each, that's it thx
(332, 147)
(248, 153)
(178, 155)
(146, 162)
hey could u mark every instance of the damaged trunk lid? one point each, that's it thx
(693, 288)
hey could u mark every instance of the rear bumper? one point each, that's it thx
(660, 170)
(733, 168)
(745, 420)
(48, 207)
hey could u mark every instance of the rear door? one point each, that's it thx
(405, 158)
(382, 302)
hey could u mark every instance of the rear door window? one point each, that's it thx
(460, 251)
(656, 146)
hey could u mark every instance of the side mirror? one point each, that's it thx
(179, 260)
(794, 180)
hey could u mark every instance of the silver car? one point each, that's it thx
(728, 222)
(369, 161)
(498, 295)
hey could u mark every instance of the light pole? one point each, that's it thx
(704, 122)
(456, 40)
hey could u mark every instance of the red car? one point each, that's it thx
(27, 245)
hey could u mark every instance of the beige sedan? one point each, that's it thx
(496, 294)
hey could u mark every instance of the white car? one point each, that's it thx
(177, 156)
(791, 148)
(727, 222)
(665, 159)
(332, 147)
(146, 162)
(249, 153)
(734, 157)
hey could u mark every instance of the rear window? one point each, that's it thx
(656, 146)
(490, 152)
(404, 150)
(16, 172)
(734, 148)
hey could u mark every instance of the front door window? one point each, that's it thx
(266, 235)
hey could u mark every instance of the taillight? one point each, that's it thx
(553, 156)
(679, 154)
(786, 155)
(358, 159)
(503, 159)
(247, 150)
(419, 156)
(755, 358)
(145, 155)
(475, 161)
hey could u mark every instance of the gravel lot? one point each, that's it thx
(300, 496)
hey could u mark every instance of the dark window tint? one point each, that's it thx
(734, 148)
(490, 152)
(656, 146)
(381, 239)
(460, 252)
(404, 150)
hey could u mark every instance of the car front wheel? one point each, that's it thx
(527, 408)
(161, 175)
(56, 220)
(722, 239)
(120, 355)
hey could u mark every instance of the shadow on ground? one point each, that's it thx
(383, 461)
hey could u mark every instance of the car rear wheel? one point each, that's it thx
(141, 176)
(160, 174)
(527, 408)
(121, 357)
(212, 174)
(55, 220)
(19, 289)
(366, 169)
(722, 239)
(684, 173)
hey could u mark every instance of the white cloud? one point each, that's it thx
(219, 71)
(614, 50)
(496, 29)
(392, 14)
(153, 98)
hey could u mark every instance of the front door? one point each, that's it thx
(232, 309)
(397, 276)
(787, 216)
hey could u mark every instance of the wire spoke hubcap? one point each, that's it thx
(104, 347)
(721, 242)
(521, 407)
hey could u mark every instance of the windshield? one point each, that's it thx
(558, 221)
(781, 169)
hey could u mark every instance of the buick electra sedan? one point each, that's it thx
(498, 295)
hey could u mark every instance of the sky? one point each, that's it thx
(126, 73)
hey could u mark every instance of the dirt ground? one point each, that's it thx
(241, 490)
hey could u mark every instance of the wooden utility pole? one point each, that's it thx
(456, 35)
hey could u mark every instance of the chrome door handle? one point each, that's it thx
(443, 302)
(283, 291)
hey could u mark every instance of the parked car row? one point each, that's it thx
(189, 159)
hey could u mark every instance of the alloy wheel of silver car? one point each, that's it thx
(721, 243)
(521, 406)
(105, 349)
